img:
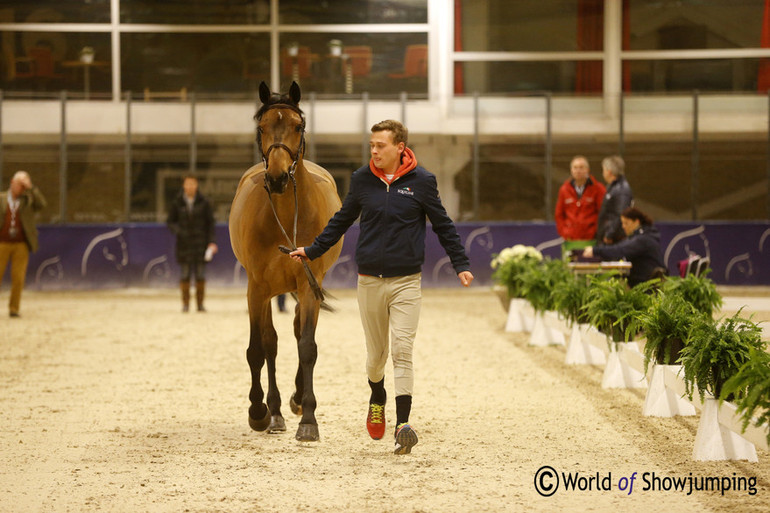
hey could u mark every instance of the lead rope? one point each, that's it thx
(317, 292)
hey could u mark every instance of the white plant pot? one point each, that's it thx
(662, 401)
(618, 373)
(542, 334)
(580, 350)
(519, 319)
(715, 442)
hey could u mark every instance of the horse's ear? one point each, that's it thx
(264, 92)
(294, 93)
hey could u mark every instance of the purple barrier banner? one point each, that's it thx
(142, 255)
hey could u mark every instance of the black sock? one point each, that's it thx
(403, 408)
(378, 392)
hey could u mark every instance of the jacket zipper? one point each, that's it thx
(382, 247)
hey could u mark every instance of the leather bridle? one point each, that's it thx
(295, 156)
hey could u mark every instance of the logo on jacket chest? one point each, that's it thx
(406, 191)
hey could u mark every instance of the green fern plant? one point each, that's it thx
(666, 325)
(699, 291)
(614, 308)
(715, 351)
(569, 297)
(538, 281)
(751, 386)
(510, 264)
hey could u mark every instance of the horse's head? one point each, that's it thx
(280, 135)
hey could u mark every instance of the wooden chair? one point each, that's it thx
(303, 60)
(45, 67)
(38, 64)
(359, 60)
(415, 62)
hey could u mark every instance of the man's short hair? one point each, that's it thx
(18, 175)
(615, 165)
(399, 131)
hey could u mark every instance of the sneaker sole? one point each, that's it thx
(405, 440)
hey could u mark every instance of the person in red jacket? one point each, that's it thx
(577, 208)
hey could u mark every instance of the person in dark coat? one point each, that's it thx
(617, 198)
(641, 248)
(394, 196)
(191, 219)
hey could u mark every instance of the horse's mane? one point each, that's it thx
(278, 100)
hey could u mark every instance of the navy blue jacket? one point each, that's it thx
(392, 238)
(642, 249)
(617, 198)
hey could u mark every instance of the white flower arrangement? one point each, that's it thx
(510, 265)
(518, 253)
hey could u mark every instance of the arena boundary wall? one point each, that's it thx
(142, 254)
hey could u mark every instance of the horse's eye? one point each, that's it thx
(299, 128)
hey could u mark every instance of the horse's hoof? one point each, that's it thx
(308, 433)
(262, 424)
(277, 425)
(296, 409)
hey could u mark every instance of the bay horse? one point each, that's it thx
(284, 199)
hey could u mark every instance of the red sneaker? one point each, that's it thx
(375, 421)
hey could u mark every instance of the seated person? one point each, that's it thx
(641, 248)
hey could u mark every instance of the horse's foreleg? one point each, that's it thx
(259, 414)
(270, 346)
(308, 352)
(299, 386)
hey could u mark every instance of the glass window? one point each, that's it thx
(381, 64)
(95, 183)
(694, 24)
(155, 163)
(203, 63)
(529, 26)
(55, 11)
(220, 165)
(184, 12)
(689, 74)
(55, 61)
(503, 77)
(313, 12)
(737, 194)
